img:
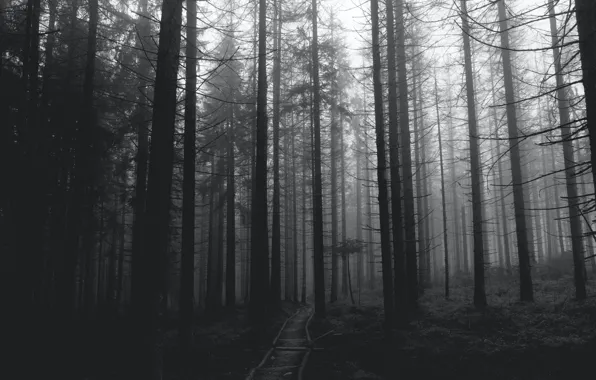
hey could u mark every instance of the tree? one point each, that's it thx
(501, 183)
(141, 119)
(400, 274)
(259, 265)
(443, 203)
(409, 221)
(318, 243)
(333, 172)
(585, 12)
(479, 291)
(525, 283)
(568, 159)
(381, 173)
(187, 266)
(276, 223)
(159, 184)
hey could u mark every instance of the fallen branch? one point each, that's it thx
(327, 333)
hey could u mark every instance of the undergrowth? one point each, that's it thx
(538, 340)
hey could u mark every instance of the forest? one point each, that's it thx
(292, 189)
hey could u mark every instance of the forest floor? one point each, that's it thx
(552, 338)
(229, 348)
(226, 348)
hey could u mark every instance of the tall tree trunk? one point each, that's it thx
(346, 280)
(276, 223)
(457, 253)
(204, 259)
(577, 243)
(409, 221)
(476, 173)
(443, 202)
(561, 231)
(142, 117)
(464, 236)
(259, 264)
(585, 12)
(550, 229)
(294, 221)
(372, 265)
(358, 185)
(419, 196)
(333, 165)
(219, 282)
(501, 184)
(160, 184)
(525, 276)
(304, 178)
(231, 217)
(426, 214)
(539, 251)
(287, 245)
(318, 243)
(187, 261)
(253, 157)
(122, 232)
(98, 286)
(497, 222)
(381, 173)
(113, 266)
(213, 301)
(66, 267)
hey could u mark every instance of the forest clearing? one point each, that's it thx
(298, 189)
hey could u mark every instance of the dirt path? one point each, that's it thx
(289, 352)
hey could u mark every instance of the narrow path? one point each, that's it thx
(289, 352)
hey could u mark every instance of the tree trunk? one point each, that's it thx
(501, 184)
(259, 264)
(409, 221)
(418, 163)
(561, 231)
(112, 265)
(211, 301)
(122, 233)
(476, 173)
(221, 196)
(577, 243)
(346, 280)
(498, 226)
(458, 245)
(304, 178)
(294, 222)
(550, 229)
(585, 12)
(358, 185)
(276, 222)
(156, 239)
(318, 243)
(381, 173)
(525, 283)
(372, 265)
(142, 117)
(464, 236)
(187, 260)
(286, 244)
(443, 202)
(231, 217)
(333, 165)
